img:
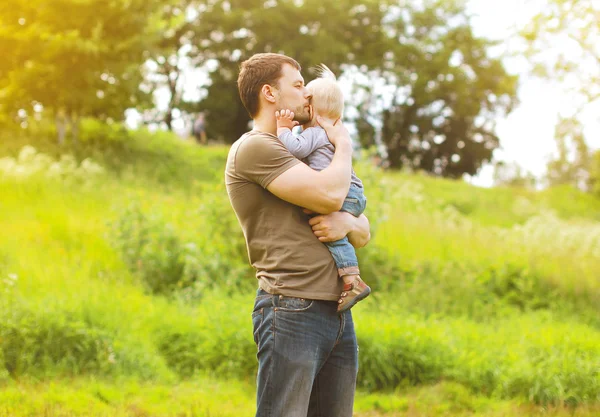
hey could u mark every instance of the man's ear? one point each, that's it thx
(269, 93)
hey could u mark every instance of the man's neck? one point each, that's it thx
(266, 123)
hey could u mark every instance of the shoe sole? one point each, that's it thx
(356, 299)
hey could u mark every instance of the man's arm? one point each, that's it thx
(320, 191)
(360, 232)
(334, 226)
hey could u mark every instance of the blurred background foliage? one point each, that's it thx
(444, 88)
(124, 276)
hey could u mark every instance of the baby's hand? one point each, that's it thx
(285, 119)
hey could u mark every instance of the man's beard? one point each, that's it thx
(303, 116)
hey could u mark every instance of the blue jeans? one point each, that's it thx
(342, 250)
(307, 357)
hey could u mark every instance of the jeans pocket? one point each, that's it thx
(293, 304)
(257, 317)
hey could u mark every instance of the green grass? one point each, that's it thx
(205, 396)
(486, 301)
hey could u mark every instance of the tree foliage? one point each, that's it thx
(595, 173)
(441, 89)
(74, 58)
(573, 163)
(311, 31)
(511, 174)
(172, 54)
(448, 93)
(563, 44)
(446, 89)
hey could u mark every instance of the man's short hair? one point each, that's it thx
(258, 70)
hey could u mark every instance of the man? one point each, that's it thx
(307, 352)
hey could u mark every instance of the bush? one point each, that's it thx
(159, 157)
(56, 342)
(407, 357)
(151, 249)
(31, 163)
(218, 339)
(557, 364)
(187, 266)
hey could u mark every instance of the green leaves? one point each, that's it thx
(79, 58)
(440, 75)
(563, 169)
(564, 39)
(448, 92)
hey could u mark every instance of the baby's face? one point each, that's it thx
(311, 87)
(313, 112)
(313, 120)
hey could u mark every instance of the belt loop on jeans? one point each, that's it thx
(276, 298)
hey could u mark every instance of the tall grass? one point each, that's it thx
(113, 273)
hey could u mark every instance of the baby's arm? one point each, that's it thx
(285, 121)
(301, 145)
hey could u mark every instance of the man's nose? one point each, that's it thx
(307, 93)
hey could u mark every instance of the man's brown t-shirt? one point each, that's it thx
(287, 256)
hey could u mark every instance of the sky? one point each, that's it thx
(527, 133)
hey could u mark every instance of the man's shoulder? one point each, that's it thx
(255, 145)
(247, 139)
(254, 139)
(255, 151)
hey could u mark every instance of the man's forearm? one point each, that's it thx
(336, 177)
(360, 232)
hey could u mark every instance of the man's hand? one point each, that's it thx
(336, 131)
(336, 225)
(285, 119)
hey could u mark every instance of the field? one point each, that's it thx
(125, 289)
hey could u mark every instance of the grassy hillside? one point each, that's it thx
(125, 288)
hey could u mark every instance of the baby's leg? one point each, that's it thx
(347, 263)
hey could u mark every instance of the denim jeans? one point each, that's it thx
(342, 250)
(307, 357)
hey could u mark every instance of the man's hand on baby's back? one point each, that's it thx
(336, 131)
(285, 119)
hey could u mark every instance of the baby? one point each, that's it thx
(314, 148)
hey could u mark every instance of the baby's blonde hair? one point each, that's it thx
(327, 97)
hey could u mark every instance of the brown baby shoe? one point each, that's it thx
(354, 292)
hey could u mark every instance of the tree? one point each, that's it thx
(567, 169)
(448, 92)
(311, 31)
(512, 175)
(595, 174)
(172, 55)
(562, 43)
(447, 88)
(74, 58)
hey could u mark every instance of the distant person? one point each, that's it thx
(199, 129)
(307, 351)
(314, 147)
